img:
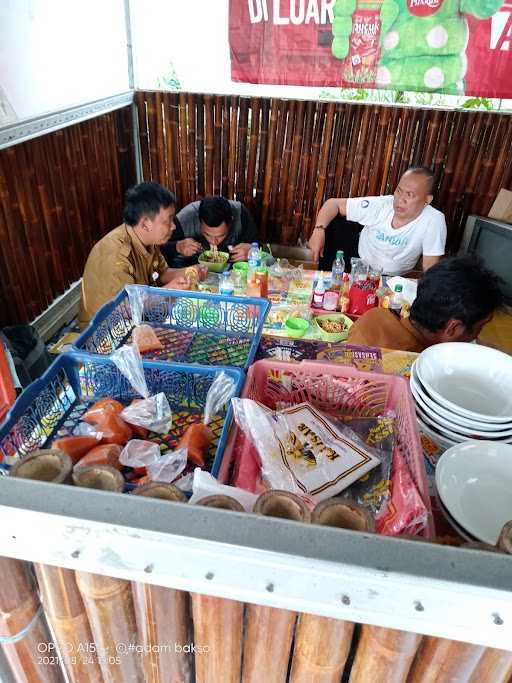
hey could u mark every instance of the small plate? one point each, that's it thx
(474, 481)
(468, 379)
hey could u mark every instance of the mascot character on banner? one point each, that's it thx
(422, 42)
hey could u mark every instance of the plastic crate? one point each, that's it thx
(194, 327)
(334, 389)
(53, 404)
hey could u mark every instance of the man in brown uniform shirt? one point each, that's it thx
(130, 254)
(455, 299)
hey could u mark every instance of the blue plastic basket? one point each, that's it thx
(52, 405)
(194, 327)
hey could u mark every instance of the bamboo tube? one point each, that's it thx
(174, 127)
(307, 132)
(383, 123)
(140, 101)
(226, 149)
(45, 465)
(313, 165)
(218, 626)
(234, 141)
(200, 144)
(184, 150)
(442, 661)
(217, 148)
(322, 644)
(324, 154)
(109, 606)
(104, 477)
(280, 204)
(384, 654)
(33, 658)
(364, 179)
(282, 119)
(262, 157)
(269, 164)
(169, 142)
(432, 138)
(162, 615)
(191, 146)
(158, 134)
(361, 151)
(352, 145)
(241, 148)
(221, 502)
(254, 132)
(66, 613)
(292, 234)
(417, 152)
(388, 155)
(346, 117)
(159, 490)
(269, 631)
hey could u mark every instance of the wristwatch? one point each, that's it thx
(319, 227)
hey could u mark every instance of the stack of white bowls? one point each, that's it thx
(462, 392)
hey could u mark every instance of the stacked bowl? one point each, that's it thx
(462, 392)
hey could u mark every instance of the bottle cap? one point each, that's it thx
(398, 288)
(339, 254)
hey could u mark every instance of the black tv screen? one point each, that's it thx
(492, 241)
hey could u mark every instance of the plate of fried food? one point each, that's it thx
(333, 327)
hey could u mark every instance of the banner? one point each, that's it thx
(460, 47)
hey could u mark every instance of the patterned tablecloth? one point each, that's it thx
(369, 359)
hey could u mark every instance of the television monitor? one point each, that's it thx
(491, 240)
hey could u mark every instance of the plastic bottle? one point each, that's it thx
(254, 260)
(397, 300)
(338, 268)
(344, 300)
(319, 291)
(226, 287)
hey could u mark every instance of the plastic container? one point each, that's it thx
(226, 285)
(218, 266)
(333, 336)
(337, 388)
(319, 292)
(330, 300)
(338, 268)
(53, 404)
(296, 327)
(194, 327)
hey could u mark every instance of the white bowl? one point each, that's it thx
(453, 523)
(437, 409)
(471, 380)
(444, 424)
(474, 481)
(442, 441)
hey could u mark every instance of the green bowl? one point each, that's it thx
(296, 327)
(241, 266)
(218, 267)
(333, 336)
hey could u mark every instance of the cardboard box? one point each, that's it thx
(501, 210)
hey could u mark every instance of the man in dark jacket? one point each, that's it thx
(212, 221)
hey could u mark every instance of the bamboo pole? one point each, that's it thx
(386, 185)
(226, 150)
(313, 166)
(446, 661)
(269, 164)
(352, 145)
(345, 120)
(254, 134)
(262, 155)
(175, 132)
(141, 102)
(200, 111)
(322, 644)
(31, 653)
(432, 138)
(361, 151)
(66, 613)
(293, 174)
(109, 606)
(162, 615)
(170, 143)
(191, 147)
(186, 197)
(219, 150)
(384, 654)
(281, 217)
(269, 631)
(218, 626)
(324, 154)
(282, 120)
(234, 141)
(364, 179)
(376, 172)
(242, 149)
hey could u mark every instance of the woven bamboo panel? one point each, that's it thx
(59, 194)
(283, 158)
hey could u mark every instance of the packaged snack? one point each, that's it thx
(302, 451)
(143, 336)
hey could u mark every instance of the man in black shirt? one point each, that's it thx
(213, 221)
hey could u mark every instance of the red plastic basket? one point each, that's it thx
(7, 391)
(334, 389)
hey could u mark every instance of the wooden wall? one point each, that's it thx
(283, 158)
(59, 194)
